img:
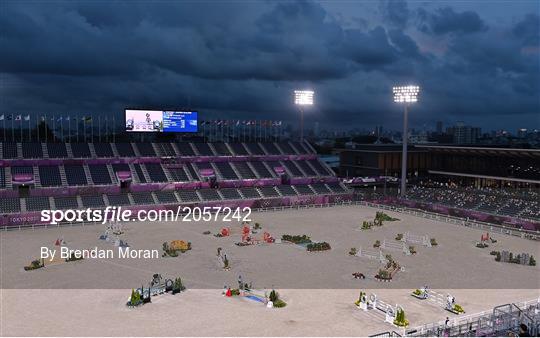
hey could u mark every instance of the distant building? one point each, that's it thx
(463, 134)
(439, 128)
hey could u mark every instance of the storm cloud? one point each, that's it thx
(243, 60)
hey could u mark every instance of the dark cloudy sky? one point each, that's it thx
(476, 61)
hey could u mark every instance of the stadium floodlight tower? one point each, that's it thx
(303, 98)
(405, 95)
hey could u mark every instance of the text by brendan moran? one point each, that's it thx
(96, 253)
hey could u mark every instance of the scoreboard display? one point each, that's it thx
(166, 121)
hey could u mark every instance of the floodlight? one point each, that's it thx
(303, 97)
(406, 94)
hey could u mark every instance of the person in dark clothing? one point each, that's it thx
(524, 331)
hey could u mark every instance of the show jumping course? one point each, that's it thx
(373, 255)
(373, 303)
(414, 239)
(395, 245)
(446, 302)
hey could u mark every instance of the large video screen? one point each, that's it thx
(166, 121)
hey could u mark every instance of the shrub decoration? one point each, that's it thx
(276, 301)
(135, 299)
(174, 247)
(457, 308)
(35, 264)
(400, 318)
(381, 216)
(417, 292)
(412, 249)
(399, 237)
(353, 252)
(296, 239)
(321, 246)
(433, 242)
(207, 232)
(508, 257)
(72, 258)
(377, 244)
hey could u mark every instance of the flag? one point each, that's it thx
(18, 117)
(27, 118)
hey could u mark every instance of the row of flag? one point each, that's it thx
(19, 117)
(264, 123)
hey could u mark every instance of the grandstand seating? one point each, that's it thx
(165, 149)
(269, 191)
(221, 149)
(57, 150)
(142, 198)
(49, 176)
(166, 196)
(204, 149)
(209, 195)
(92, 201)
(66, 202)
(81, 150)
(10, 205)
(304, 189)
(146, 149)
(271, 148)
(178, 174)
(286, 190)
(2, 177)
(100, 174)
(118, 200)
(293, 169)
(101, 150)
(320, 188)
(306, 168)
(321, 171)
(286, 148)
(125, 150)
(75, 174)
(244, 170)
(155, 172)
(184, 149)
(250, 192)
(261, 169)
(139, 172)
(9, 150)
(336, 187)
(230, 194)
(32, 150)
(254, 148)
(226, 171)
(188, 196)
(37, 203)
(238, 149)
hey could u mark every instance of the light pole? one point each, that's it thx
(303, 98)
(405, 95)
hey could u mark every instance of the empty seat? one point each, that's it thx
(50, 176)
(82, 150)
(306, 168)
(178, 174)
(286, 190)
(188, 196)
(10, 205)
(204, 149)
(260, 169)
(268, 191)
(37, 203)
(319, 168)
(166, 196)
(320, 188)
(124, 149)
(273, 165)
(254, 148)
(304, 189)
(165, 149)
(192, 171)
(9, 150)
(300, 147)
(244, 170)
(209, 195)
(103, 150)
(139, 173)
(226, 171)
(250, 192)
(184, 149)
(92, 201)
(336, 187)
(146, 149)
(56, 150)
(75, 174)
(230, 194)
(221, 149)
(100, 174)
(118, 200)
(142, 198)
(2, 177)
(238, 149)
(32, 150)
(293, 169)
(271, 148)
(286, 148)
(155, 171)
(66, 202)
(22, 170)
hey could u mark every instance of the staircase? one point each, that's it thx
(37, 178)
(135, 150)
(63, 175)
(69, 151)
(88, 175)
(112, 174)
(44, 149)
(93, 150)
(253, 170)
(145, 173)
(19, 151)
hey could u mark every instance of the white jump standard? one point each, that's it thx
(373, 255)
(395, 245)
(414, 239)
